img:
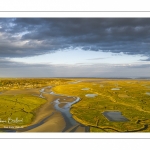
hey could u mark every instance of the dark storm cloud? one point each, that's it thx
(35, 36)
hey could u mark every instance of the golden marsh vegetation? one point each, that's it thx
(130, 97)
(20, 98)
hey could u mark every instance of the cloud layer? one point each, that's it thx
(20, 37)
(24, 37)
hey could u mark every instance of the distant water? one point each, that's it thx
(42, 90)
(91, 95)
(85, 89)
(148, 93)
(115, 89)
(75, 82)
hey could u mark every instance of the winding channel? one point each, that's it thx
(71, 124)
(65, 111)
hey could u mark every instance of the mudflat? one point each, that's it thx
(55, 123)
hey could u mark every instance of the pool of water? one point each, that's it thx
(74, 82)
(42, 90)
(114, 116)
(147, 93)
(115, 89)
(85, 89)
(91, 95)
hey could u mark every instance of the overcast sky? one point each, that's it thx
(74, 47)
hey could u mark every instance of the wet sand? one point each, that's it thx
(45, 109)
(58, 121)
(47, 118)
(55, 123)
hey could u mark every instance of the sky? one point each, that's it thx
(75, 47)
